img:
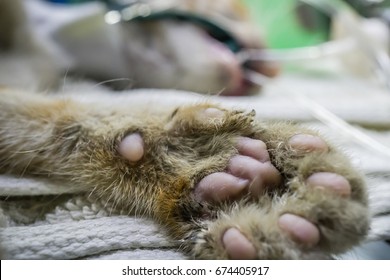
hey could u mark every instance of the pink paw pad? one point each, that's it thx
(132, 147)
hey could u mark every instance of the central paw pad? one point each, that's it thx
(248, 173)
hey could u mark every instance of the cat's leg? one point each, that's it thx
(197, 171)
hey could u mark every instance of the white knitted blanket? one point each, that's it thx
(70, 226)
(75, 227)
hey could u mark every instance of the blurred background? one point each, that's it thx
(334, 76)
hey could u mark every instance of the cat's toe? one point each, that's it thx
(237, 246)
(299, 229)
(219, 186)
(330, 182)
(254, 148)
(262, 175)
(304, 143)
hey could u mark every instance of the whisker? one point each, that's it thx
(64, 79)
(330, 48)
(111, 81)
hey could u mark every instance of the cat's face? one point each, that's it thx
(182, 55)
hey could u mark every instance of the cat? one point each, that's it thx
(76, 35)
(223, 183)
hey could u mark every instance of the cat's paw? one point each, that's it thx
(229, 187)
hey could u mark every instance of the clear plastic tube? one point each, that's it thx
(358, 40)
(305, 53)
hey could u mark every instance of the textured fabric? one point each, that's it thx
(78, 239)
(73, 226)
